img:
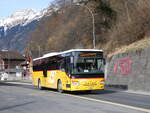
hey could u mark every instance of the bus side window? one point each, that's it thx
(62, 66)
(68, 65)
(104, 61)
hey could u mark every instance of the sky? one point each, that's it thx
(8, 7)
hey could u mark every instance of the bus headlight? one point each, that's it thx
(76, 83)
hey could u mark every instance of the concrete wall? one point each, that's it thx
(130, 70)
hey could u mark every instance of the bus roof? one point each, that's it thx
(68, 51)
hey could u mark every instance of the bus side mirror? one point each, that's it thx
(63, 70)
(104, 61)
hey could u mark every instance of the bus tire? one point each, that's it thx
(39, 85)
(59, 86)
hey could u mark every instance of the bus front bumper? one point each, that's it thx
(84, 84)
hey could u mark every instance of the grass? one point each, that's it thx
(141, 44)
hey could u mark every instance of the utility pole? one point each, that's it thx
(8, 62)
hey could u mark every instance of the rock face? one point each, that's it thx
(130, 70)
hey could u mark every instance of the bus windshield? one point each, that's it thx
(88, 65)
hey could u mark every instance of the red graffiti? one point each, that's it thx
(123, 66)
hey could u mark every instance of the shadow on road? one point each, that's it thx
(97, 92)
(16, 85)
(14, 106)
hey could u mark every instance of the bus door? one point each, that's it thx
(44, 78)
(65, 71)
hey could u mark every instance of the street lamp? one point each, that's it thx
(93, 22)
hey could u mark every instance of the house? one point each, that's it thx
(10, 62)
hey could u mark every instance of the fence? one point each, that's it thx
(13, 74)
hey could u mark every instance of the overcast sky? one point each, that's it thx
(8, 7)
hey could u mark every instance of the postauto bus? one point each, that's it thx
(72, 70)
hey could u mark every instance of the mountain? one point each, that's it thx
(20, 17)
(15, 29)
(117, 25)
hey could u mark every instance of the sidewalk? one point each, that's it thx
(127, 91)
(21, 80)
(26, 80)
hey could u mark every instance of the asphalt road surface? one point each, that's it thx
(24, 98)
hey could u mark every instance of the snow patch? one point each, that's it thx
(19, 17)
(25, 17)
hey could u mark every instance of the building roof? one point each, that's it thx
(13, 55)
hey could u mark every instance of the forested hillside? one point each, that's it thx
(119, 24)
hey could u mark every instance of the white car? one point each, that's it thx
(4, 76)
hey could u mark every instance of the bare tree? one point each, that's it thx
(60, 2)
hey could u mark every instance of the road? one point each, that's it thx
(18, 97)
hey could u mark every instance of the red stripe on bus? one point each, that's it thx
(87, 78)
(37, 71)
(47, 70)
(54, 70)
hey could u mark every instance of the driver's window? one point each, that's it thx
(80, 67)
(62, 66)
(100, 64)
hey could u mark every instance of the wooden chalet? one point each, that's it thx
(10, 60)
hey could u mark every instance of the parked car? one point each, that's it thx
(4, 76)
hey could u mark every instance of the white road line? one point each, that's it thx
(106, 102)
(112, 103)
(96, 100)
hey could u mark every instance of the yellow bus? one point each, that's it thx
(72, 70)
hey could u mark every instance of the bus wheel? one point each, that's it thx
(59, 86)
(39, 85)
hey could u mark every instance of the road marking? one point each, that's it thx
(96, 100)
(106, 102)
(112, 103)
(132, 92)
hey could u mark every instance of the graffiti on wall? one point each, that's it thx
(123, 66)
